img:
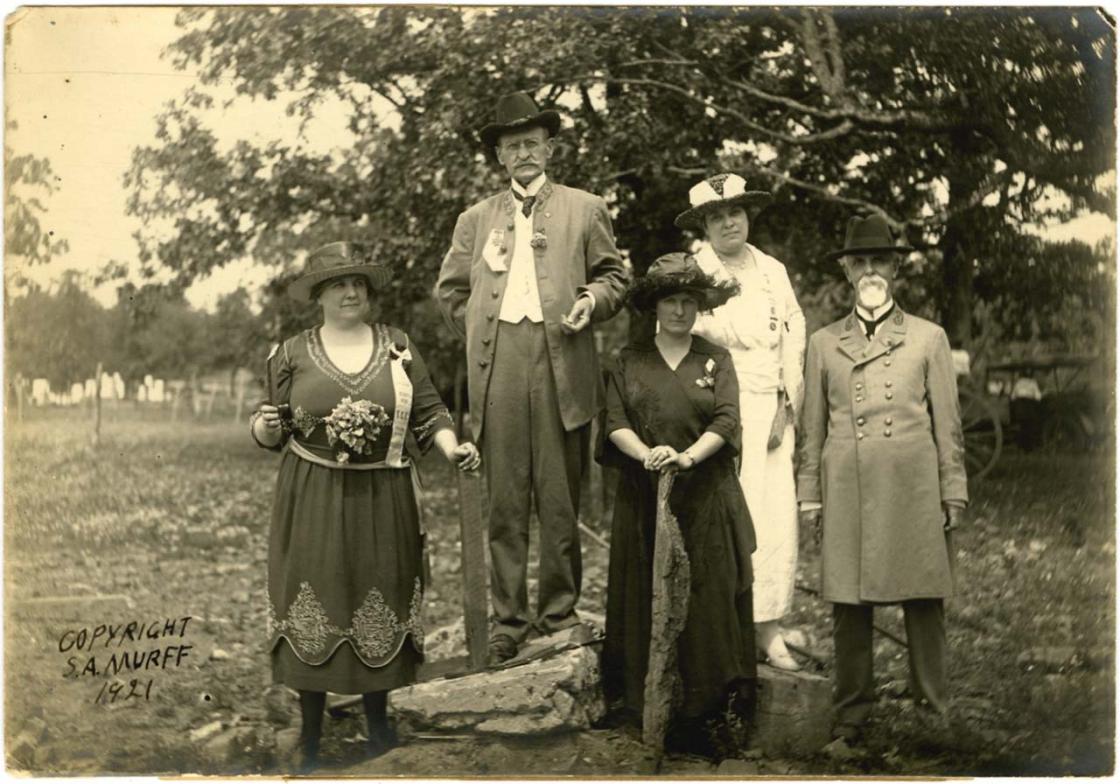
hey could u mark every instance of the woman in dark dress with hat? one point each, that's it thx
(345, 571)
(673, 404)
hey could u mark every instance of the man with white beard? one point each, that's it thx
(881, 477)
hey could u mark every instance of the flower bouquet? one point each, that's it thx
(356, 425)
(353, 425)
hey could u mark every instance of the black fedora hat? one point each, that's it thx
(516, 112)
(335, 260)
(868, 235)
(676, 272)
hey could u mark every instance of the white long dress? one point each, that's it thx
(764, 329)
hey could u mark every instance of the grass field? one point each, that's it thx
(166, 521)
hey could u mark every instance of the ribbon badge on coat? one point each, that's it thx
(496, 251)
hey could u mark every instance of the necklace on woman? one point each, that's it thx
(740, 267)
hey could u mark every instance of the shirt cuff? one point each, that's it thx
(955, 503)
(809, 506)
(589, 295)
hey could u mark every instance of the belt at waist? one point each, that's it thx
(301, 451)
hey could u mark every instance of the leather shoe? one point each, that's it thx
(502, 649)
(381, 739)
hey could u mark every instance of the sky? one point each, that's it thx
(85, 85)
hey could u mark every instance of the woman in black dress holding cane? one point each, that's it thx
(672, 404)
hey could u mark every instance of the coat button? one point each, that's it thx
(860, 421)
(503, 249)
(489, 316)
(889, 421)
(889, 385)
(483, 363)
(486, 342)
(859, 435)
(887, 363)
(859, 386)
(887, 432)
(859, 398)
(890, 395)
(510, 225)
(494, 293)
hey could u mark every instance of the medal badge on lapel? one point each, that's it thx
(496, 251)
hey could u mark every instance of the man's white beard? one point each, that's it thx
(872, 292)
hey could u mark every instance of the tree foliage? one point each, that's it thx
(59, 335)
(27, 181)
(955, 123)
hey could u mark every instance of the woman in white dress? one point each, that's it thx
(764, 330)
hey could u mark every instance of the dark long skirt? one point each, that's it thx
(716, 648)
(345, 578)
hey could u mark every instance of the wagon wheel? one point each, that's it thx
(983, 434)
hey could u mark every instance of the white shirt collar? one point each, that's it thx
(534, 186)
(873, 315)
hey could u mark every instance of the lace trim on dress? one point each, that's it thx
(375, 632)
(423, 430)
(353, 383)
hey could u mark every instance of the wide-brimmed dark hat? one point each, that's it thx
(336, 260)
(676, 272)
(868, 235)
(516, 112)
(720, 190)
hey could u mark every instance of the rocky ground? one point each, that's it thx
(164, 522)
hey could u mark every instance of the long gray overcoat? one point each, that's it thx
(882, 449)
(577, 253)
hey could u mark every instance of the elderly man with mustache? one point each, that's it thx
(882, 477)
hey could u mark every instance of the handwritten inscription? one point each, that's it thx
(114, 650)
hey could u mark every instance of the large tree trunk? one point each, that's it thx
(965, 178)
(956, 310)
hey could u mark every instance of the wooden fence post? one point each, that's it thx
(97, 407)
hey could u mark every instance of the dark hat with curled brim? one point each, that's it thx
(674, 273)
(334, 261)
(868, 235)
(516, 112)
(720, 190)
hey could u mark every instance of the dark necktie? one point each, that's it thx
(870, 326)
(526, 203)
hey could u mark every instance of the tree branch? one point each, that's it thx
(841, 129)
(836, 55)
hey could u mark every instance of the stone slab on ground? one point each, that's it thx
(794, 712)
(555, 694)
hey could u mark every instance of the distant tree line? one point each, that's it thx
(61, 333)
